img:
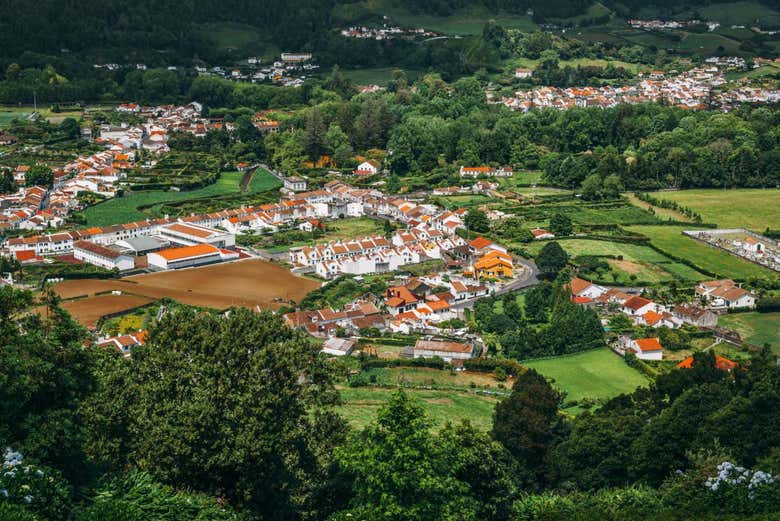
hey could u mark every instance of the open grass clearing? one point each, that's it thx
(377, 76)
(741, 13)
(343, 229)
(463, 22)
(670, 239)
(752, 208)
(362, 404)
(599, 374)
(436, 378)
(755, 328)
(127, 209)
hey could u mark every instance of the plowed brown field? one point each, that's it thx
(251, 283)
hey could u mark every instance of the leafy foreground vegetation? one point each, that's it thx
(201, 431)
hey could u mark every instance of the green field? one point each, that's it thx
(126, 209)
(361, 405)
(377, 76)
(348, 228)
(599, 374)
(460, 201)
(9, 113)
(670, 239)
(740, 13)
(646, 264)
(530, 63)
(755, 328)
(755, 208)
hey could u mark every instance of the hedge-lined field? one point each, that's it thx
(755, 209)
(126, 209)
(599, 374)
(361, 405)
(670, 240)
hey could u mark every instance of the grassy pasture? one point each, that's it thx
(599, 374)
(740, 13)
(126, 209)
(756, 328)
(361, 405)
(752, 208)
(377, 76)
(343, 229)
(670, 239)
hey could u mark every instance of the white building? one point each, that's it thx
(188, 234)
(295, 184)
(523, 73)
(98, 255)
(188, 257)
(447, 350)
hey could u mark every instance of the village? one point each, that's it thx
(692, 89)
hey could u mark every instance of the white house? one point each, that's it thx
(523, 73)
(338, 346)
(540, 234)
(367, 168)
(647, 348)
(188, 257)
(722, 294)
(98, 255)
(294, 183)
(447, 350)
(637, 306)
(582, 288)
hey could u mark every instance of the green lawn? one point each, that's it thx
(361, 406)
(631, 252)
(377, 76)
(530, 63)
(599, 374)
(670, 239)
(459, 201)
(756, 328)
(740, 13)
(752, 208)
(348, 228)
(126, 209)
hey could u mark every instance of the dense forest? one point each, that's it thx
(192, 427)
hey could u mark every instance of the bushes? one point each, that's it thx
(489, 365)
(433, 363)
(768, 304)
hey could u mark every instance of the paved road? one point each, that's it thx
(530, 279)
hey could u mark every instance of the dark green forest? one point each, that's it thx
(232, 417)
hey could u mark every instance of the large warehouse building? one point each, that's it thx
(189, 256)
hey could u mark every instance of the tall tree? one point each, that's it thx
(315, 139)
(237, 405)
(551, 259)
(527, 422)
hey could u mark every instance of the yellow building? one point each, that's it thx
(494, 265)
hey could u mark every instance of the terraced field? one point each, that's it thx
(128, 208)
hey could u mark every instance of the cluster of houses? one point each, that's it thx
(37, 208)
(285, 71)
(693, 89)
(420, 305)
(714, 297)
(655, 25)
(386, 33)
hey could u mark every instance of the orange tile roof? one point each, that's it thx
(187, 251)
(648, 344)
(578, 285)
(480, 242)
(190, 230)
(651, 318)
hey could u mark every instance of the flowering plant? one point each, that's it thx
(738, 485)
(39, 489)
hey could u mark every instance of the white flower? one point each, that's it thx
(28, 499)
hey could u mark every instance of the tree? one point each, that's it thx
(315, 136)
(477, 221)
(591, 189)
(70, 128)
(39, 175)
(199, 410)
(398, 470)
(560, 224)
(613, 187)
(336, 138)
(527, 422)
(551, 259)
(620, 322)
(45, 374)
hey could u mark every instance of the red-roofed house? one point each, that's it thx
(722, 363)
(637, 306)
(540, 234)
(647, 348)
